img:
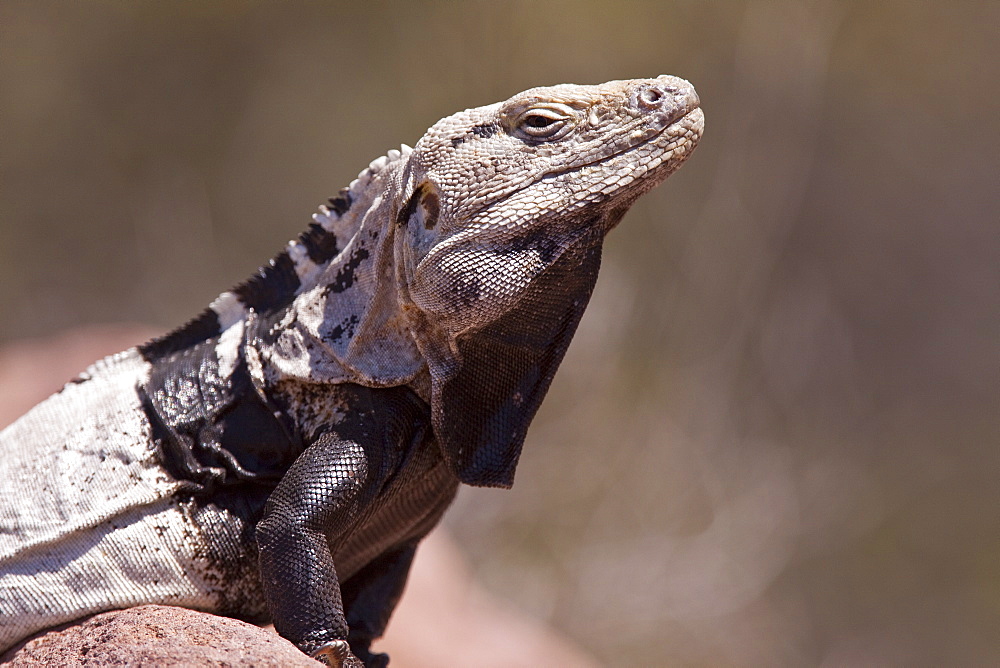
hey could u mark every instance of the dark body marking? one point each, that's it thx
(202, 327)
(486, 130)
(272, 287)
(236, 446)
(320, 244)
(341, 203)
(345, 277)
(214, 430)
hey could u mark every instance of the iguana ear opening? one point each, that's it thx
(482, 406)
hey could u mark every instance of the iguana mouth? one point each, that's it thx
(686, 132)
(691, 135)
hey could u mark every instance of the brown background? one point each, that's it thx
(775, 438)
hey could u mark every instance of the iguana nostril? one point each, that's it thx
(676, 92)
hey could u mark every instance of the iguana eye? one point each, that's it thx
(538, 121)
(542, 123)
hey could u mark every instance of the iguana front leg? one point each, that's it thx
(319, 499)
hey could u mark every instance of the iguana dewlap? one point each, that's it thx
(281, 455)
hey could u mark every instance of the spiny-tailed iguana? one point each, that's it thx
(281, 455)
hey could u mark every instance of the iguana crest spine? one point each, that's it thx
(276, 283)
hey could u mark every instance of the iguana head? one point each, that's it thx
(465, 263)
(505, 210)
(509, 185)
(588, 136)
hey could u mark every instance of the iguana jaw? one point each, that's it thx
(630, 171)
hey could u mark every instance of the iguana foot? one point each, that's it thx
(337, 654)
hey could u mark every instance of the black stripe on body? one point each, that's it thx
(204, 326)
(320, 244)
(341, 203)
(272, 287)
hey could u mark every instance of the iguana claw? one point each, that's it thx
(337, 654)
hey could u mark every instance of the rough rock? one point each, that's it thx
(157, 635)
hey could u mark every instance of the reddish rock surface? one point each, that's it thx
(157, 635)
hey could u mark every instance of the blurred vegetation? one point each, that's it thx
(775, 439)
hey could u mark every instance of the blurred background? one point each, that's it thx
(774, 440)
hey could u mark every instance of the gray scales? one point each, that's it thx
(281, 455)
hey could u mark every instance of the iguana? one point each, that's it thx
(281, 455)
